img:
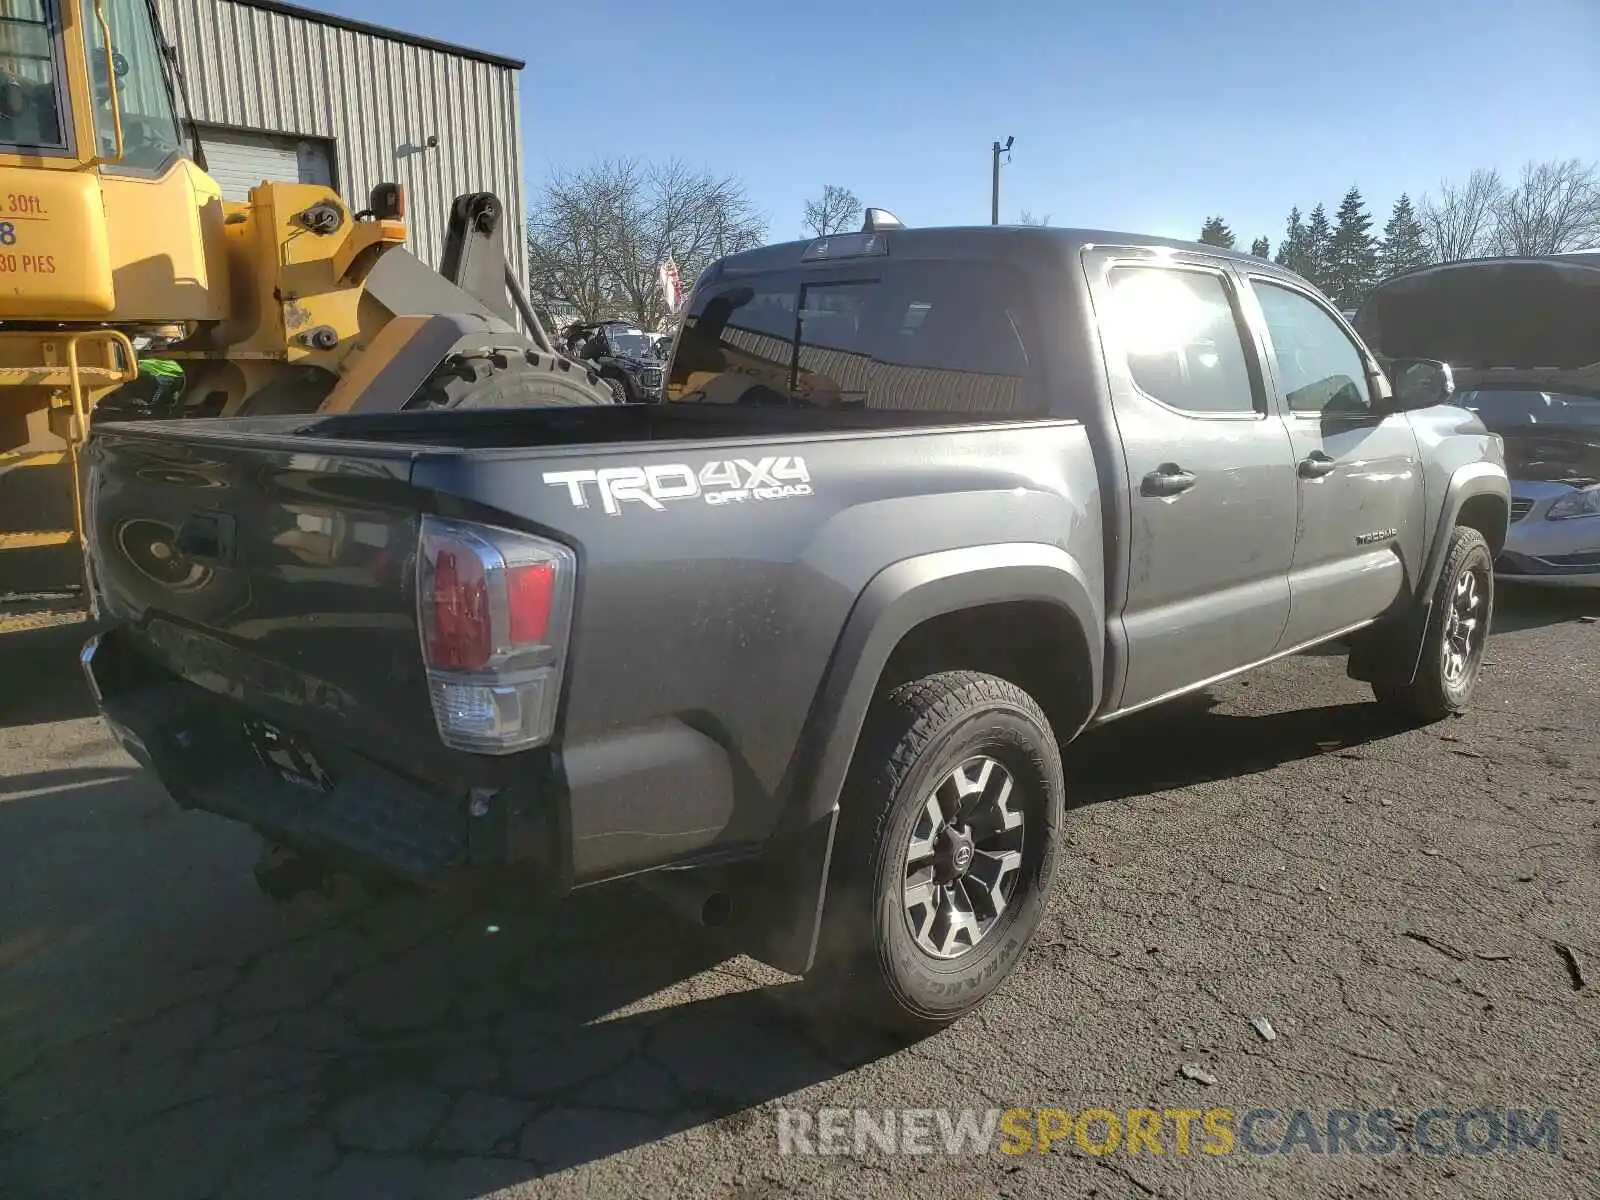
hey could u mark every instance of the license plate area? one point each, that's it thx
(285, 755)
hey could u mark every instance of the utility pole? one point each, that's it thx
(994, 188)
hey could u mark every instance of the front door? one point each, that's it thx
(1210, 474)
(1360, 481)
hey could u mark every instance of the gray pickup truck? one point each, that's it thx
(801, 645)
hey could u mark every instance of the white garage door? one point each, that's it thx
(239, 160)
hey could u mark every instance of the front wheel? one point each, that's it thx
(946, 848)
(1458, 632)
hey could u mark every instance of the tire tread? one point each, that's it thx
(904, 722)
(1424, 698)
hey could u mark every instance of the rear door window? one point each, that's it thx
(929, 336)
(1182, 339)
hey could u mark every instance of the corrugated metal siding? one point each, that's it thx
(261, 70)
(239, 161)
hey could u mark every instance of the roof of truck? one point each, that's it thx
(967, 241)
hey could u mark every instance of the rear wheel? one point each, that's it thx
(1458, 631)
(946, 848)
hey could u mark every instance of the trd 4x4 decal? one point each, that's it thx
(730, 481)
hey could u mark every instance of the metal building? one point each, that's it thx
(286, 93)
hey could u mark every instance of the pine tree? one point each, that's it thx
(1353, 261)
(1215, 232)
(1318, 248)
(1261, 248)
(1405, 242)
(1293, 251)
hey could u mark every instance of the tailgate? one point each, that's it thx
(278, 577)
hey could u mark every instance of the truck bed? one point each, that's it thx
(532, 428)
(269, 565)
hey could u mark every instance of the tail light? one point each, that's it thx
(494, 607)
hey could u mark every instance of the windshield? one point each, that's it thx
(150, 130)
(632, 342)
(1501, 410)
(30, 67)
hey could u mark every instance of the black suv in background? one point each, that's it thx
(625, 356)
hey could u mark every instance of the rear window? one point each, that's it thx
(949, 336)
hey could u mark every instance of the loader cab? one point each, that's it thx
(104, 214)
(86, 83)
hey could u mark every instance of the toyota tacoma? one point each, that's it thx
(801, 645)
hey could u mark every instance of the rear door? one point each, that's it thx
(1209, 467)
(1358, 475)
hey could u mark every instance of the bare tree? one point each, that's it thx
(1027, 218)
(836, 210)
(597, 236)
(1555, 207)
(1460, 221)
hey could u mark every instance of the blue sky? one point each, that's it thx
(1143, 115)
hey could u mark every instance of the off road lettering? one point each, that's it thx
(720, 482)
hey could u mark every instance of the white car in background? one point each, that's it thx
(1522, 336)
(1553, 456)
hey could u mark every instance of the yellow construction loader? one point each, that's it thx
(113, 238)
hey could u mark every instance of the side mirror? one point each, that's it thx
(1420, 383)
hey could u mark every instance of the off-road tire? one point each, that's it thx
(619, 389)
(511, 380)
(1432, 695)
(917, 733)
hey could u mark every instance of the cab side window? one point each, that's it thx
(30, 114)
(1181, 339)
(1318, 367)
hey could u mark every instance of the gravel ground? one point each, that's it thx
(1415, 913)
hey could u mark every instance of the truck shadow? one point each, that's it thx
(39, 677)
(168, 1032)
(1190, 742)
(165, 1031)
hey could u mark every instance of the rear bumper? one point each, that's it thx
(627, 802)
(624, 802)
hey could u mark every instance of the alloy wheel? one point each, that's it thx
(963, 857)
(1465, 627)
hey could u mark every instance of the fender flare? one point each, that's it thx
(903, 596)
(1392, 651)
(778, 917)
(1467, 483)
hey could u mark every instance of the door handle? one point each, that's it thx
(1169, 479)
(1315, 465)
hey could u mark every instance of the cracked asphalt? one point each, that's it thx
(1416, 912)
